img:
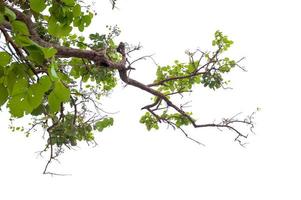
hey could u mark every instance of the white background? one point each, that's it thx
(131, 163)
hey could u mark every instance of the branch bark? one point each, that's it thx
(100, 59)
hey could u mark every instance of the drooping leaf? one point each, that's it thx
(58, 95)
(61, 91)
(36, 54)
(36, 91)
(53, 102)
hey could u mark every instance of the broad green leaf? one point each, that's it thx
(37, 5)
(49, 52)
(34, 96)
(36, 91)
(58, 95)
(38, 111)
(87, 19)
(65, 30)
(58, 30)
(52, 26)
(18, 105)
(26, 98)
(5, 59)
(3, 94)
(61, 91)
(76, 10)
(45, 83)
(20, 27)
(23, 41)
(10, 14)
(53, 102)
(20, 87)
(35, 54)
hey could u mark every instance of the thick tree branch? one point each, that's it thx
(99, 57)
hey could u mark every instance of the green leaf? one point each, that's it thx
(23, 41)
(5, 59)
(102, 124)
(18, 105)
(52, 71)
(49, 52)
(36, 91)
(76, 10)
(65, 30)
(20, 27)
(20, 87)
(37, 5)
(35, 96)
(3, 94)
(38, 111)
(53, 102)
(45, 83)
(26, 98)
(35, 54)
(58, 30)
(59, 94)
(61, 91)
(10, 14)
(87, 19)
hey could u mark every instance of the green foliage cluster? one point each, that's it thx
(183, 76)
(61, 91)
(174, 119)
(45, 86)
(177, 70)
(69, 133)
(221, 41)
(150, 121)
